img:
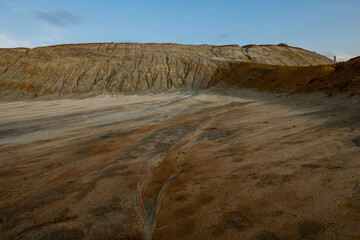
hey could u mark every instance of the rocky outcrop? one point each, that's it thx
(112, 68)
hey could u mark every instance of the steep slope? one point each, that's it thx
(111, 68)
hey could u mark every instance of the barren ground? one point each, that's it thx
(210, 165)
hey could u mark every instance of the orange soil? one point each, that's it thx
(331, 79)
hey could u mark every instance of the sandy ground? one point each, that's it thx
(211, 165)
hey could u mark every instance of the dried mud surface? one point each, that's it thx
(215, 164)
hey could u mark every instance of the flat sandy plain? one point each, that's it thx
(216, 164)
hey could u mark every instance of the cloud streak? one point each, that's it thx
(225, 35)
(59, 18)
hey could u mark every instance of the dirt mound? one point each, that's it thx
(271, 78)
(331, 79)
(344, 78)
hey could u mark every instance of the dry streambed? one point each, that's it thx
(210, 165)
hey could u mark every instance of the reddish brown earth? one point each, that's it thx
(219, 164)
(331, 79)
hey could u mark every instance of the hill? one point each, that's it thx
(113, 68)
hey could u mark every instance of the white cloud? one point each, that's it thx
(8, 40)
(341, 56)
(345, 57)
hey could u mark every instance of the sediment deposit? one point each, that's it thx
(219, 164)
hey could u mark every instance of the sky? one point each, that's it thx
(329, 27)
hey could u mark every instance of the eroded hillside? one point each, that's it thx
(113, 68)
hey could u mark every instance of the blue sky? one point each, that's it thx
(330, 27)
